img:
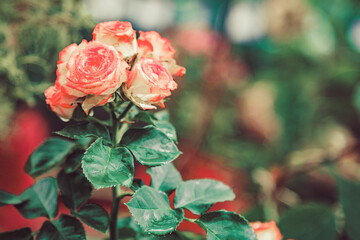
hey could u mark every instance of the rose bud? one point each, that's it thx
(92, 71)
(266, 230)
(62, 104)
(151, 44)
(149, 83)
(121, 35)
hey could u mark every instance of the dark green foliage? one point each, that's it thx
(50, 154)
(309, 222)
(151, 209)
(165, 178)
(349, 197)
(226, 225)
(19, 234)
(39, 200)
(106, 166)
(151, 147)
(199, 195)
(75, 189)
(64, 228)
(84, 130)
(94, 216)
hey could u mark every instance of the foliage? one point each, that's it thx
(105, 165)
(28, 54)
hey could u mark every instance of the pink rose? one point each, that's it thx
(151, 44)
(121, 35)
(62, 104)
(149, 83)
(266, 230)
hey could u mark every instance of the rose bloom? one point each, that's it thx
(121, 35)
(149, 83)
(63, 105)
(151, 44)
(89, 74)
(266, 230)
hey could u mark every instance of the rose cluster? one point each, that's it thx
(90, 73)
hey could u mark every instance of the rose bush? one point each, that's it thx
(102, 153)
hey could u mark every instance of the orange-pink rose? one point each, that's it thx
(89, 74)
(62, 104)
(92, 68)
(121, 35)
(151, 44)
(149, 83)
(266, 230)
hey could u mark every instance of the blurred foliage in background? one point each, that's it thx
(32, 33)
(272, 89)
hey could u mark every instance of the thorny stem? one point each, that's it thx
(117, 134)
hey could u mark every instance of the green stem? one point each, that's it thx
(93, 119)
(117, 133)
(114, 214)
(190, 219)
(127, 109)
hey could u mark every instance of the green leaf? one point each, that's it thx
(308, 222)
(137, 184)
(189, 236)
(165, 178)
(94, 216)
(50, 154)
(75, 189)
(130, 230)
(73, 161)
(85, 142)
(127, 228)
(83, 130)
(200, 194)
(162, 115)
(39, 200)
(167, 128)
(64, 228)
(150, 146)
(160, 122)
(349, 197)
(106, 166)
(8, 198)
(144, 117)
(226, 226)
(19, 234)
(151, 209)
